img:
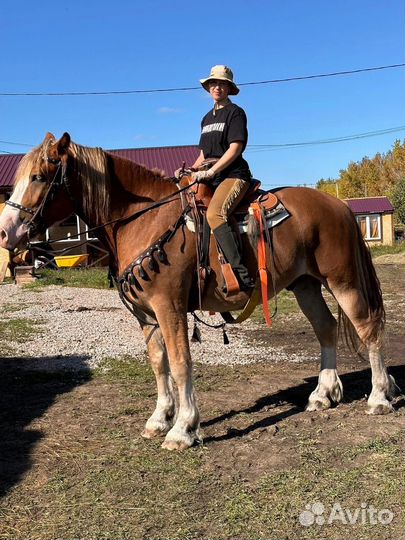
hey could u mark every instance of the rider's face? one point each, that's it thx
(219, 90)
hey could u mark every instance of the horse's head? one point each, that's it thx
(40, 197)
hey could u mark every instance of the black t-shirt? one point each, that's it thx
(218, 131)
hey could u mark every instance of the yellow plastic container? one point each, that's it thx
(71, 261)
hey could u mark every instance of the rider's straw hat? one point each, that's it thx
(221, 73)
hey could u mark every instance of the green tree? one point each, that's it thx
(350, 182)
(394, 166)
(328, 186)
(398, 199)
(373, 177)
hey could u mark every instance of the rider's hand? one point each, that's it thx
(178, 172)
(203, 175)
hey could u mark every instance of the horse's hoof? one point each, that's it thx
(381, 408)
(175, 445)
(156, 428)
(153, 433)
(179, 440)
(318, 404)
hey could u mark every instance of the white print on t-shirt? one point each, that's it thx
(219, 126)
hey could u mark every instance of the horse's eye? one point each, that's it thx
(38, 178)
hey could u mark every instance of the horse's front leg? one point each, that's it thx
(162, 418)
(173, 323)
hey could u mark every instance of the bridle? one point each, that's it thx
(36, 224)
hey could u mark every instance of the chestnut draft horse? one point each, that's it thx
(320, 244)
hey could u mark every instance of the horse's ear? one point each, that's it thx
(49, 137)
(63, 143)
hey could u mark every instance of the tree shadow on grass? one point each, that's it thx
(26, 393)
(355, 384)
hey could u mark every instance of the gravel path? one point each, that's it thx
(81, 327)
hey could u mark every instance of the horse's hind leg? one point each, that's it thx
(162, 418)
(307, 291)
(356, 309)
(384, 387)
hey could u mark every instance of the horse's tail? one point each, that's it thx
(370, 289)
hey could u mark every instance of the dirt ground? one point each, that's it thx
(73, 463)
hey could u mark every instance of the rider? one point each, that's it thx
(224, 137)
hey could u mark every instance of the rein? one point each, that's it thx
(36, 219)
(138, 213)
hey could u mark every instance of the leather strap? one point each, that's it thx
(261, 262)
(20, 207)
(231, 283)
(247, 310)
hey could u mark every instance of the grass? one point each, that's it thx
(286, 304)
(13, 308)
(272, 507)
(93, 476)
(376, 251)
(96, 278)
(126, 368)
(112, 487)
(17, 330)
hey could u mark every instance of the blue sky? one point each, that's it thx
(127, 45)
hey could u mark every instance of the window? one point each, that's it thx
(370, 226)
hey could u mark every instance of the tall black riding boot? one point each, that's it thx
(227, 242)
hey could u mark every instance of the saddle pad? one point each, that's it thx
(273, 217)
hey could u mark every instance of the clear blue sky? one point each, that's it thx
(129, 44)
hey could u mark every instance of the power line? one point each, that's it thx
(262, 147)
(183, 89)
(16, 143)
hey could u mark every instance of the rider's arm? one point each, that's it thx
(234, 150)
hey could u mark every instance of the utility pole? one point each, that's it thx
(337, 189)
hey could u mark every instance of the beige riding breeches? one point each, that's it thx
(226, 198)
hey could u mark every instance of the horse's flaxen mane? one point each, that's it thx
(95, 180)
(93, 174)
(91, 168)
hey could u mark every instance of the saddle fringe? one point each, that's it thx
(253, 231)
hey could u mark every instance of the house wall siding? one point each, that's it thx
(387, 230)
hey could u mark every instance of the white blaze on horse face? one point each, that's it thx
(12, 229)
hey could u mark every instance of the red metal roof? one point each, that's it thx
(370, 205)
(8, 166)
(167, 159)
